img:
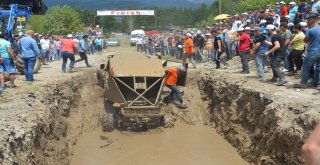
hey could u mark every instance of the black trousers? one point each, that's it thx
(84, 57)
(295, 58)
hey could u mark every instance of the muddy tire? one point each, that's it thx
(20, 65)
(107, 122)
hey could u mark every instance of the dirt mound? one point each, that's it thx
(41, 127)
(265, 127)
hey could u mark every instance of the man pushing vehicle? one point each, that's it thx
(172, 77)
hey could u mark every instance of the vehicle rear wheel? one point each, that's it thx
(20, 65)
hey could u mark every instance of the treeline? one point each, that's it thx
(65, 19)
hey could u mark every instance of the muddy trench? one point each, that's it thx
(61, 124)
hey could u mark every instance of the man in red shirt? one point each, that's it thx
(284, 9)
(68, 49)
(244, 49)
(173, 74)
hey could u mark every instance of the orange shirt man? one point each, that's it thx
(171, 82)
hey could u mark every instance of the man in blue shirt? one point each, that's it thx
(83, 48)
(29, 53)
(313, 53)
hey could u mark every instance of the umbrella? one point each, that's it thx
(221, 16)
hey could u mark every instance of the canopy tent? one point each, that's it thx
(221, 17)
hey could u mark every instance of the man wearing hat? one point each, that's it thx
(199, 44)
(188, 50)
(244, 49)
(69, 47)
(293, 10)
(82, 47)
(277, 53)
(301, 10)
(259, 49)
(284, 9)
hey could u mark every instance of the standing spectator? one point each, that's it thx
(301, 10)
(217, 47)
(259, 50)
(139, 44)
(316, 8)
(29, 52)
(286, 34)
(15, 44)
(313, 52)
(307, 13)
(284, 9)
(98, 43)
(8, 61)
(278, 53)
(208, 45)
(199, 43)
(57, 47)
(68, 49)
(293, 10)
(244, 49)
(188, 50)
(45, 49)
(229, 40)
(295, 57)
(83, 48)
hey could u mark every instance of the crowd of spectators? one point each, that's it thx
(32, 46)
(281, 32)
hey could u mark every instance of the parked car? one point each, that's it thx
(113, 42)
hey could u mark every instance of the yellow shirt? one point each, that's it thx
(298, 43)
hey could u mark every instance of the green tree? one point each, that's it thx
(61, 20)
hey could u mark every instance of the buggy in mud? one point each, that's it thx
(133, 86)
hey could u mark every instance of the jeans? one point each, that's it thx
(57, 54)
(99, 48)
(295, 58)
(213, 54)
(93, 49)
(308, 63)
(275, 65)
(175, 91)
(46, 54)
(198, 53)
(65, 57)
(244, 60)
(260, 63)
(28, 67)
(286, 60)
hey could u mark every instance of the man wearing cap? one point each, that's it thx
(68, 49)
(139, 44)
(244, 49)
(83, 48)
(172, 75)
(98, 42)
(188, 50)
(259, 49)
(29, 53)
(278, 53)
(293, 10)
(229, 40)
(198, 43)
(313, 52)
(284, 9)
(307, 13)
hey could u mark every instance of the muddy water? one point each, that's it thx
(182, 144)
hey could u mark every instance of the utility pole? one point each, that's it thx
(219, 6)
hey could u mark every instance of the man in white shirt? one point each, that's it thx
(45, 49)
(139, 44)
